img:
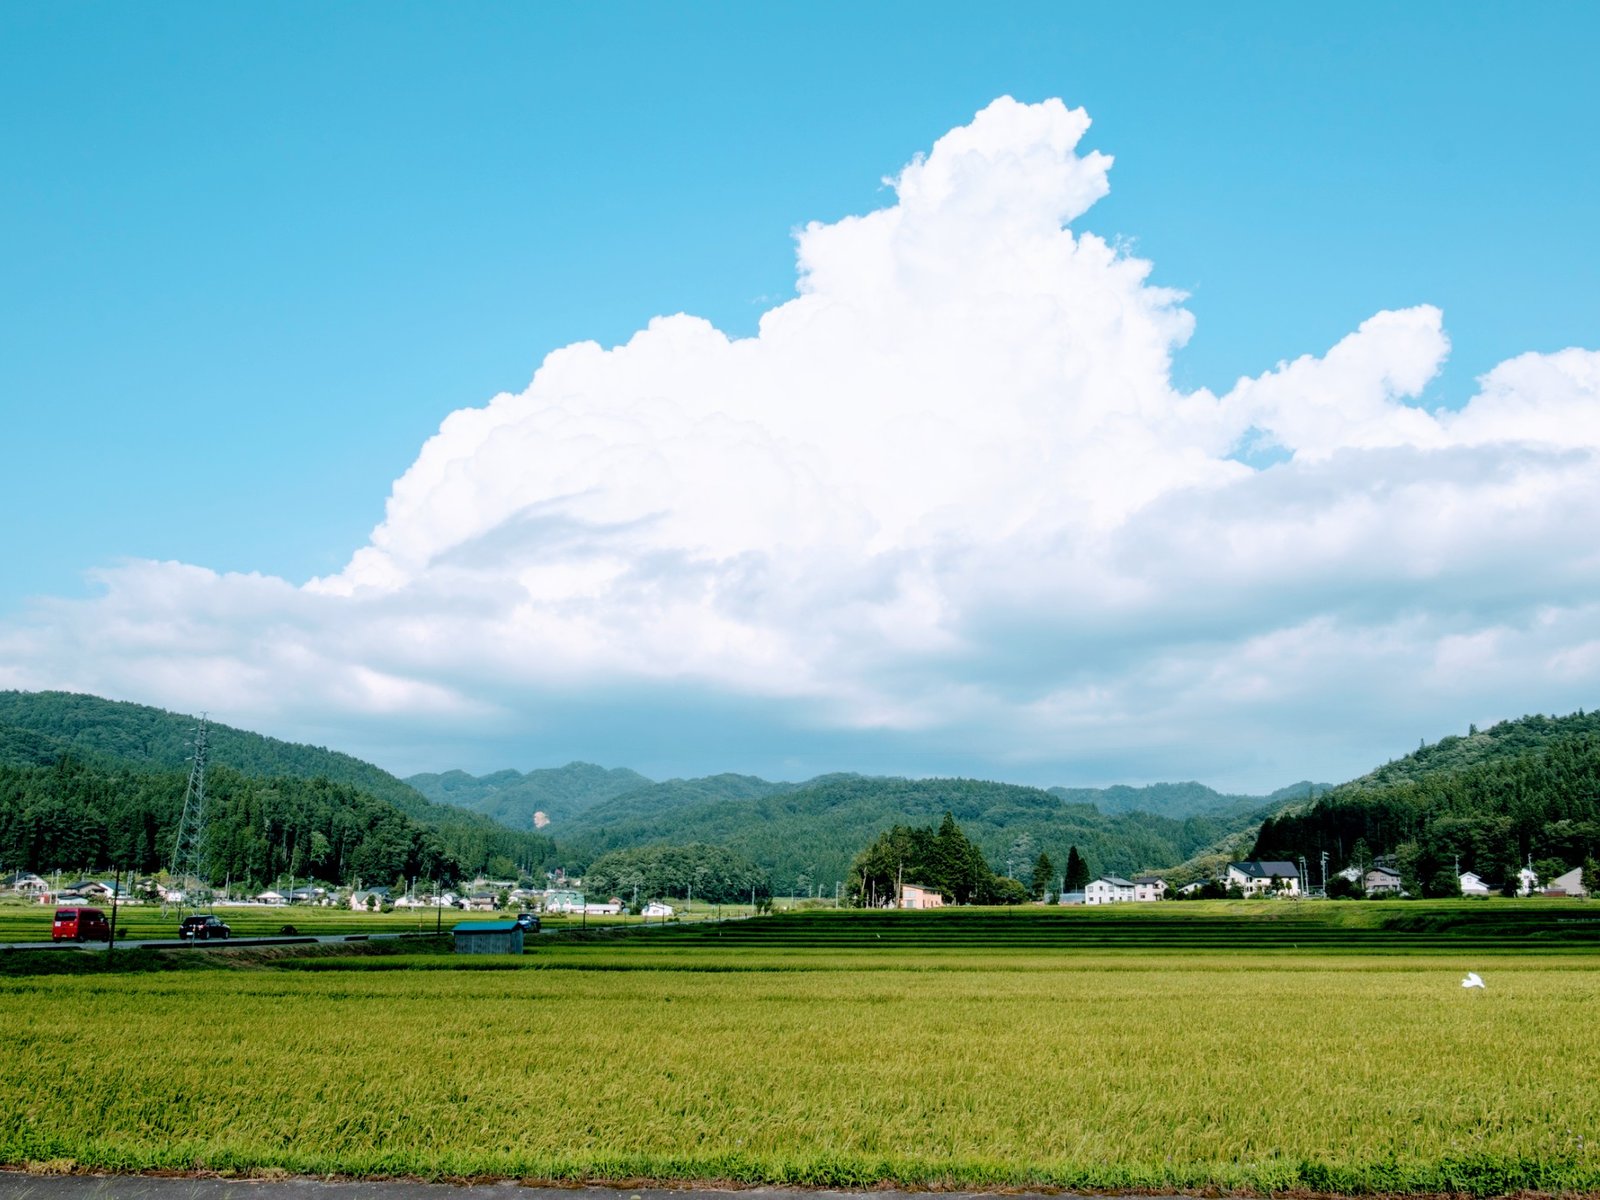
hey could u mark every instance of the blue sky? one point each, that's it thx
(254, 256)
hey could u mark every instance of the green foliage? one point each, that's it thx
(812, 831)
(1077, 876)
(1488, 800)
(88, 784)
(708, 873)
(943, 859)
(1043, 876)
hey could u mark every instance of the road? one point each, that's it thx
(203, 944)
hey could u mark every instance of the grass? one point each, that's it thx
(1269, 1047)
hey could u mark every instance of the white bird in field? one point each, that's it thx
(1472, 980)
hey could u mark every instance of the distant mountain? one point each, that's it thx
(1180, 800)
(806, 834)
(514, 798)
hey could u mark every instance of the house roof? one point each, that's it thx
(1114, 881)
(1384, 871)
(470, 927)
(1266, 870)
(1148, 879)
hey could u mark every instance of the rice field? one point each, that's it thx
(1320, 1047)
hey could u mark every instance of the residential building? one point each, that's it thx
(1471, 885)
(1149, 887)
(1263, 878)
(1108, 889)
(918, 895)
(1570, 884)
(1382, 881)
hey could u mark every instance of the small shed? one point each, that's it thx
(488, 937)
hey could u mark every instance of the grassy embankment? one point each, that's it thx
(1268, 1046)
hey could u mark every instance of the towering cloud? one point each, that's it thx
(948, 493)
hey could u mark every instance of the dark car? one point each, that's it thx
(203, 926)
(80, 925)
(527, 922)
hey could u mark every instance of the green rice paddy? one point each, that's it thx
(1268, 1046)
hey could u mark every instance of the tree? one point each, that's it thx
(1077, 871)
(1044, 872)
(1005, 890)
(1443, 884)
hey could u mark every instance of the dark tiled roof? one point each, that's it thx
(1266, 870)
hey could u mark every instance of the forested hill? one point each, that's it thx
(806, 835)
(513, 797)
(1180, 800)
(86, 782)
(1493, 799)
(138, 735)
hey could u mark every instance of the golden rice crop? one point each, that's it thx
(1130, 1069)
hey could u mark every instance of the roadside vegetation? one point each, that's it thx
(1273, 1047)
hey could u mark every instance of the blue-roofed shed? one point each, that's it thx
(488, 937)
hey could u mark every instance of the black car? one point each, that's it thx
(527, 922)
(203, 926)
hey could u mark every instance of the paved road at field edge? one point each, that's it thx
(15, 1185)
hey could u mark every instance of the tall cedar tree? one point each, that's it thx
(1077, 871)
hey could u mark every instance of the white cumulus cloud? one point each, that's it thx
(949, 498)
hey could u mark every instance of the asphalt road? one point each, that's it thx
(202, 944)
(17, 1186)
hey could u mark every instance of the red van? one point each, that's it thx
(80, 925)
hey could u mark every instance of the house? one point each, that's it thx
(369, 899)
(563, 900)
(25, 883)
(92, 889)
(1527, 880)
(1149, 887)
(1471, 885)
(1263, 878)
(657, 909)
(1190, 889)
(920, 895)
(488, 937)
(1382, 881)
(1108, 889)
(1570, 884)
(481, 902)
(271, 897)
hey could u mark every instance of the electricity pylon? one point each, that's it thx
(189, 847)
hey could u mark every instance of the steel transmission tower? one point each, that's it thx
(189, 848)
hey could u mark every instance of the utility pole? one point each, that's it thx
(116, 890)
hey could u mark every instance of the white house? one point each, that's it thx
(1149, 887)
(1257, 878)
(1527, 880)
(657, 909)
(25, 883)
(1571, 883)
(919, 895)
(1471, 885)
(1108, 889)
(271, 897)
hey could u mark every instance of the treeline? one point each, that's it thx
(944, 859)
(707, 873)
(77, 816)
(807, 836)
(1492, 801)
